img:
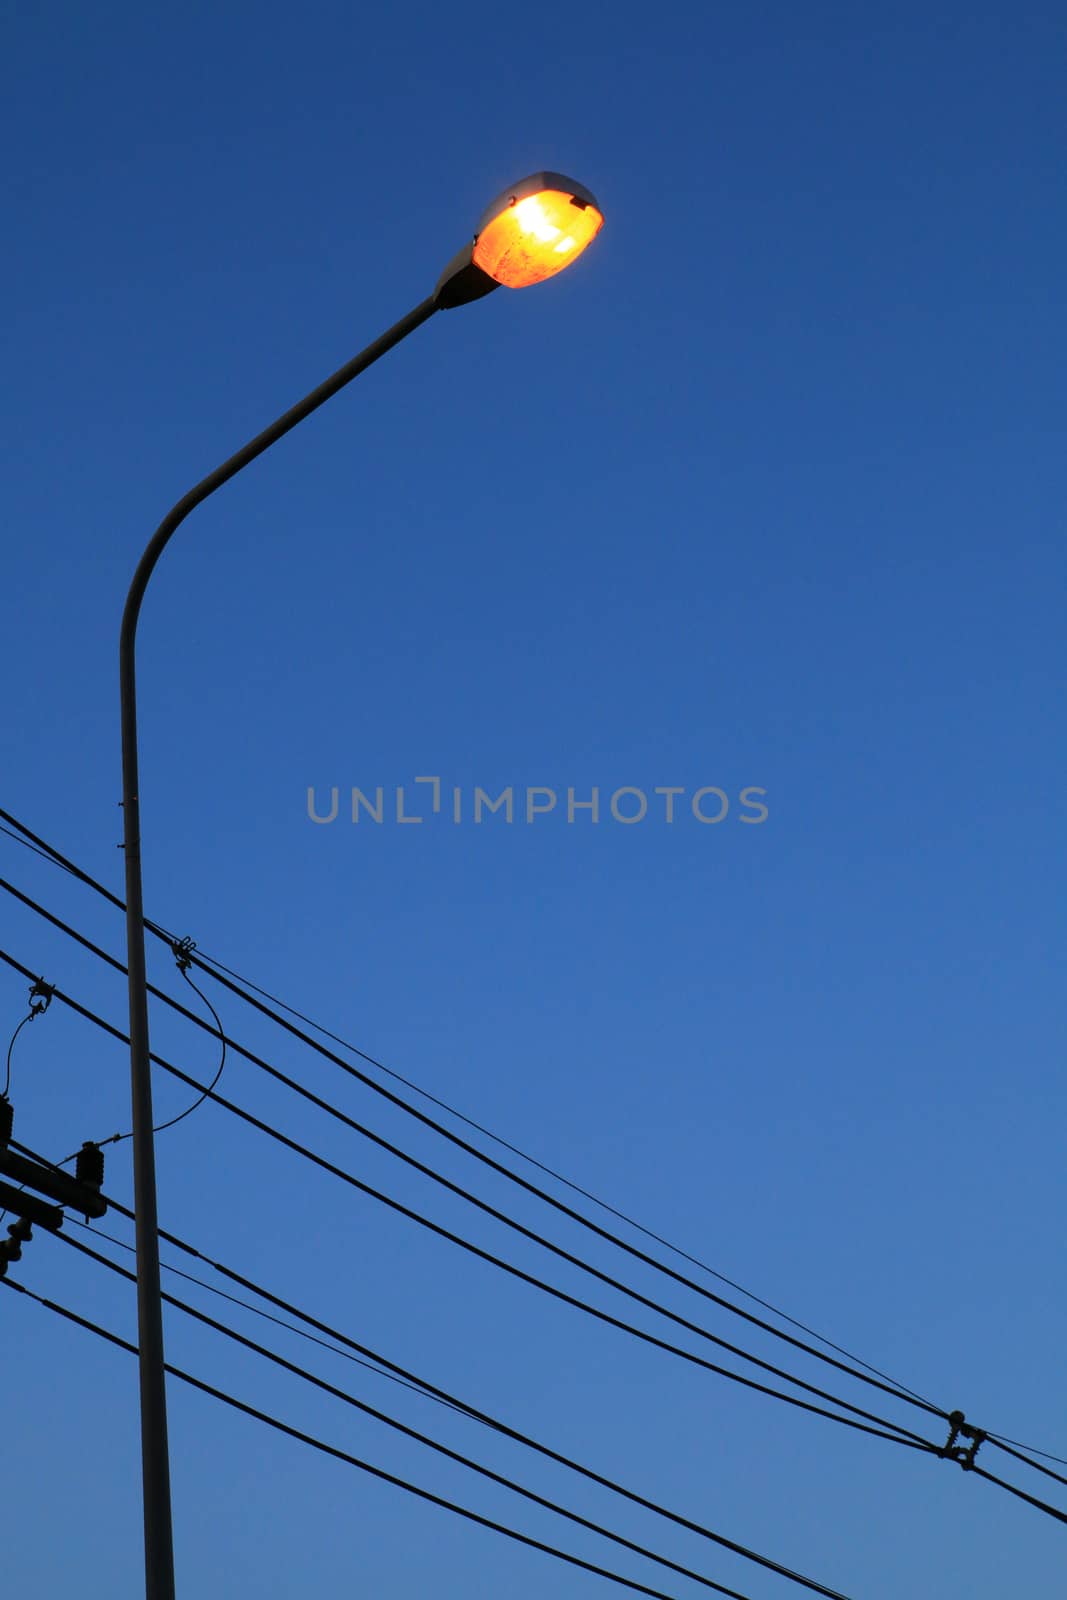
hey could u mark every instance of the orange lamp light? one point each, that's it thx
(535, 229)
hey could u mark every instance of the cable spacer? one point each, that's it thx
(182, 950)
(960, 1428)
(956, 1422)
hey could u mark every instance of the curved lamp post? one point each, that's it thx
(529, 233)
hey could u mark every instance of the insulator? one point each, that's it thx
(21, 1230)
(7, 1119)
(89, 1166)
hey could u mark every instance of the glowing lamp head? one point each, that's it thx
(535, 229)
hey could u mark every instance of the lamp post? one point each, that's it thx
(530, 232)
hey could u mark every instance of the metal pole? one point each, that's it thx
(155, 1461)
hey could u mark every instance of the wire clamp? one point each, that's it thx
(41, 993)
(960, 1428)
(182, 950)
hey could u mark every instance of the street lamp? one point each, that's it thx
(529, 233)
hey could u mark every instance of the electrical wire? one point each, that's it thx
(1000, 1438)
(41, 847)
(482, 1205)
(900, 1435)
(279, 1322)
(173, 1121)
(7, 1075)
(46, 854)
(1002, 1444)
(38, 1010)
(435, 1444)
(415, 1383)
(423, 1386)
(511, 1222)
(1020, 1494)
(40, 992)
(343, 1455)
(889, 1386)
(457, 1405)
(549, 1171)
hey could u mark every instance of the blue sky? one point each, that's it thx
(768, 491)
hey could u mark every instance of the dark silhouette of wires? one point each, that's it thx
(353, 1461)
(1019, 1455)
(7, 1072)
(898, 1434)
(48, 852)
(436, 1445)
(40, 1000)
(45, 852)
(208, 964)
(890, 1386)
(280, 1322)
(183, 968)
(1020, 1494)
(509, 1221)
(378, 1363)
(214, 966)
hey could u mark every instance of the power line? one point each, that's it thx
(1000, 1438)
(183, 968)
(208, 962)
(899, 1390)
(420, 1385)
(40, 1000)
(901, 1435)
(890, 1387)
(503, 1217)
(11, 1045)
(343, 1455)
(1020, 1494)
(436, 1445)
(49, 852)
(433, 1392)
(46, 853)
(247, 1305)
(1005, 1445)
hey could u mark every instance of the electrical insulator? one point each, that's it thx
(11, 1248)
(7, 1119)
(49, 1180)
(89, 1166)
